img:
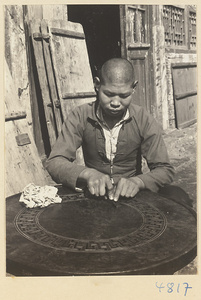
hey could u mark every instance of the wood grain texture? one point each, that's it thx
(16, 56)
(15, 115)
(40, 46)
(185, 87)
(23, 165)
(71, 64)
(55, 12)
(136, 47)
(71, 67)
(51, 79)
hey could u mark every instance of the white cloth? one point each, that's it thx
(39, 196)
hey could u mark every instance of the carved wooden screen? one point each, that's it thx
(174, 25)
(180, 26)
(192, 29)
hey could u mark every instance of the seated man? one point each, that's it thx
(112, 131)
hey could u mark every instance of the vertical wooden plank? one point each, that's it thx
(150, 63)
(56, 108)
(192, 108)
(139, 67)
(59, 57)
(28, 14)
(49, 121)
(122, 12)
(181, 111)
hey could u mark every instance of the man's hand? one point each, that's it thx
(98, 184)
(128, 187)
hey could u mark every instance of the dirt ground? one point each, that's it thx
(182, 149)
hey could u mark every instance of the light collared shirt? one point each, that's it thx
(111, 135)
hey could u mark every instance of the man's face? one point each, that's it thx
(114, 98)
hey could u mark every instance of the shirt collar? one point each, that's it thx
(99, 115)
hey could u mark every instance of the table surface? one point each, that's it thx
(147, 234)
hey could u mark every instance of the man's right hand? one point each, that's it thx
(98, 184)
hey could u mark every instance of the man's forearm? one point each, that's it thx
(63, 171)
(158, 177)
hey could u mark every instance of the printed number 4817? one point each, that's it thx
(171, 287)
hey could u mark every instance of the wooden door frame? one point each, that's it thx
(150, 86)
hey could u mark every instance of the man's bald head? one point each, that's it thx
(117, 70)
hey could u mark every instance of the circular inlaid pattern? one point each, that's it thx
(88, 225)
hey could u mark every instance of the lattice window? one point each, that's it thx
(136, 24)
(192, 29)
(173, 21)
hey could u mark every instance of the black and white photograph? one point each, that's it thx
(101, 149)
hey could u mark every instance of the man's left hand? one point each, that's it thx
(128, 187)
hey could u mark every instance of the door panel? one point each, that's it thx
(65, 79)
(136, 47)
(185, 93)
(139, 67)
(71, 64)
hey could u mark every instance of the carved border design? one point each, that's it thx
(27, 223)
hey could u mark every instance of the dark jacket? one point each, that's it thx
(139, 132)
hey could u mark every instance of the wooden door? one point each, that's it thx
(185, 93)
(137, 48)
(71, 64)
(63, 71)
(50, 113)
(72, 69)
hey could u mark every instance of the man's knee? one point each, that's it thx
(176, 193)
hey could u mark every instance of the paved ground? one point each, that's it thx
(181, 145)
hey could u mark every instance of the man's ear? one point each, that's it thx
(97, 83)
(134, 85)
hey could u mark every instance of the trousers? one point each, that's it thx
(176, 193)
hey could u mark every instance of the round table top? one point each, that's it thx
(147, 234)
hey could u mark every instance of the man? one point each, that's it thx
(112, 131)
